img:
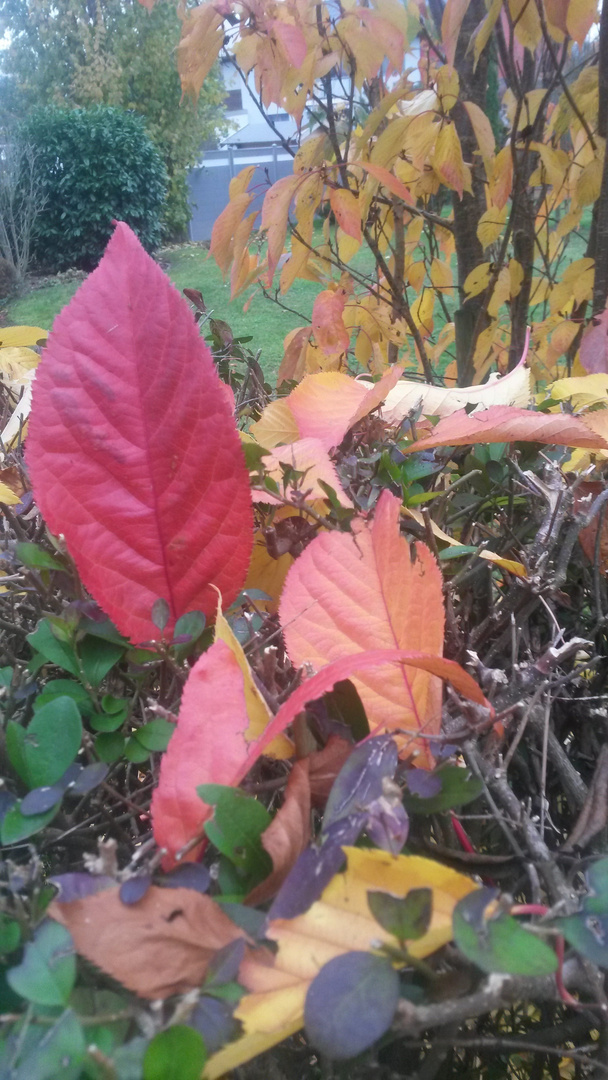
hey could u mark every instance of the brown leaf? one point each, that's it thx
(586, 492)
(157, 947)
(324, 765)
(288, 834)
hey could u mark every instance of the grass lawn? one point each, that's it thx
(189, 267)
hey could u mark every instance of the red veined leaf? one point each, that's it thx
(350, 666)
(346, 592)
(502, 423)
(132, 450)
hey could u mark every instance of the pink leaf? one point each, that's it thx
(594, 346)
(132, 450)
(501, 423)
(207, 746)
(328, 326)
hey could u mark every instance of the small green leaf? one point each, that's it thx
(37, 558)
(161, 613)
(498, 943)
(175, 1054)
(15, 740)
(65, 688)
(135, 752)
(59, 1052)
(60, 653)
(110, 746)
(98, 657)
(52, 741)
(236, 828)
(105, 722)
(155, 735)
(190, 625)
(406, 917)
(10, 934)
(17, 826)
(47, 973)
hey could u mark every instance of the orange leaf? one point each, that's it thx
(386, 178)
(294, 357)
(501, 423)
(347, 592)
(328, 326)
(275, 215)
(306, 456)
(324, 765)
(158, 947)
(288, 833)
(347, 212)
(224, 229)
(328, 404)
(447, 160)
(453, 14)
(580, 18)
(292, 40)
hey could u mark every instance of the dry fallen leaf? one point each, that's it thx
(408, 396)
(157, 947)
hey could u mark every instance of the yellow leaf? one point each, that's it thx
(477, 280)
(447, 160)
(526, 20)
(406, 395)
(448, 86)
(312, 152)
(511, 565)
(239, 183)
(501, 179)
(416, 275)
(257, 710)
(584, 391)
(7, 496)
(422, 312)
(453, 14)
(589, 183)
(17, 363)
(201, 40)
(338, 923)
(21, 335)
(491, 224)
(500, 293)
(482, 34)
(516, 278)
(482, 128)
(276, 425)
(441, 275)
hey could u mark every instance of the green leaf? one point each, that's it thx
(406, 917)
(458, 786)
(105, 722)
(60, 1052)
(98, 657)
(15, 740)
(10, 934)
(37, 558)
(155, 735)
(175, 1054)
(135, 752)
(17, 826)
(52, 741)
(190, 625)
(236, 828)
(110, 746)
(47, 973)
(53, 651)
(65, 688)
(588, 934)
(498, 943)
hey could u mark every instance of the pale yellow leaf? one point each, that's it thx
(477, 280)
(491, 225)
(21, 335)
(408, 396)
(276, 425)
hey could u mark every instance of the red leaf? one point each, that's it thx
(349, 666)
(502, 423)
(346, 592)
(208, 746)
(386, 178)
(132, 450)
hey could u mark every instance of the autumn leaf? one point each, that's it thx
(346, 593)
(156, 948)
(323, 406)
(19, 336)
(288, 833)
(328, 326)
(501, 423)
(347, 211)
(407, 395)
(306, 456)
(336, 924)
(125, 396)
(594, 346)
(201, 40)
(453, 14)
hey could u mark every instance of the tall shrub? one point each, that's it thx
(94, 165)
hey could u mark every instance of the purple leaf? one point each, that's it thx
(224, 967)
(423, 783)
(213, 1019)
(387, 824)
(134, 889)
(78, 886)
(314, 869)
(360, 780)
(40, 799)
(351, 1003)
(189, 876)
(91, 777)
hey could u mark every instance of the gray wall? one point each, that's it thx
(208, 183)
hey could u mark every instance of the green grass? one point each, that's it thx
(189, 267)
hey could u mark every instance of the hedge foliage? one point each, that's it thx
(96, 165)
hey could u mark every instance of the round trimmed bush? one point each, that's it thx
(96, 165)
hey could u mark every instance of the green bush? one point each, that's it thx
(96, 165)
